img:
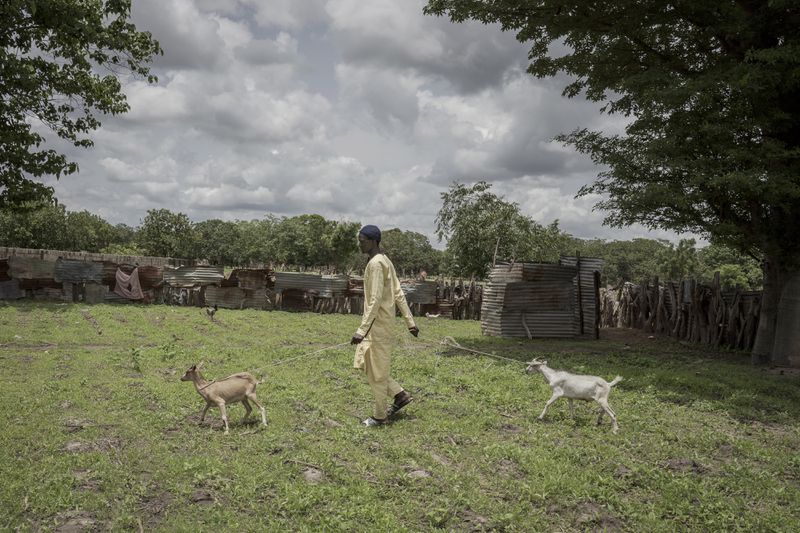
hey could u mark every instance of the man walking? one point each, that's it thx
(382, 293)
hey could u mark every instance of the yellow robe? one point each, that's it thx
(382, 293)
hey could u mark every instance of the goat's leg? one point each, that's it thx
(600, 414)
(203, 414)
(253, 399)
(556, 395)
(604, 404)
(221, 405)
(247, 408)
(571, 408)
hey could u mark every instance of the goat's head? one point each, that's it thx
(191, 372)
(535, 365)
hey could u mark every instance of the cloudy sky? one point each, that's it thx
(356, 110)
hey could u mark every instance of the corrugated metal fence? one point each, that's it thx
(542, 300)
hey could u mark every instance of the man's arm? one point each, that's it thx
(402, 304)
(373, 299)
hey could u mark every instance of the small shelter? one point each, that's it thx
(543, 299)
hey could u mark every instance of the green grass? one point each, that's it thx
(99, 432)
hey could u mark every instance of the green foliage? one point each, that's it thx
(481, 227)
(410, 252)
(679, 262)
(736, 271)
(55, 228)
(256, 241)
(634, 260)
(705, 443)
(59, 66)
(166, 234)
(712, 92)
(218, 241)
(312, 241)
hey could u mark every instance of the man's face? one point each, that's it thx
(365, 244)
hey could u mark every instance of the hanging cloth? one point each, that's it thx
(128, 285)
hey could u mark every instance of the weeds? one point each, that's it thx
(706, 442)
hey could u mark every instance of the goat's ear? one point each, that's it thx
(193, 367)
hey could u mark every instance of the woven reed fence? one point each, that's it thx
(686, 310)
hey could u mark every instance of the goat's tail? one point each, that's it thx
(616, 380)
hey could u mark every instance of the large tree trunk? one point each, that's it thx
(778, 335)
(770, 297)
(786, 350)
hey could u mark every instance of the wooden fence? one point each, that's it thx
(686, 310)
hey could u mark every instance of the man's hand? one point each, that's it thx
(414, 330)
(356, 339)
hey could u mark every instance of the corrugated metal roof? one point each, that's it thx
(190, 276)
(325, 286)
(10, 290)
(250, 278)
(419, 292)
(237, 298)
(75, 271)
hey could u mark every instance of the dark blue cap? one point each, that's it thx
(371, 232)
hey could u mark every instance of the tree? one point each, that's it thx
(44, 228)
(87, 232)
(410, 251)
(634, 260)
(217, 241)
(481, 227)
(256, 243)
(736, 271)
(712, 93)
(53, 54)
(166, 234)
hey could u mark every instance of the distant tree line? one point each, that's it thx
(479, 228)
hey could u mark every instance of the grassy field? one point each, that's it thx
(99, 433)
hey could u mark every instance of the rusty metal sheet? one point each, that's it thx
(10, 290)
(237, 298)
(31, 268)
(191, 276)
(419, 292)
(324, 286)
(250, 278)
(94, 293)
(36, 284)
(4, 270)
(76, 271)
(539, 299)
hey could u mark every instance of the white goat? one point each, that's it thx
(577, 387)
(220, 392)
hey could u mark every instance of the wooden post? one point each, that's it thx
(580, 295)
(596, 277)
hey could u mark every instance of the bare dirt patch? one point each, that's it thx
(153, 507)
(73, 425)
(76, 521)
(202, 497)
(103, 444)
(313, 475)
(685, 466)
(474, 522)
(85, 480)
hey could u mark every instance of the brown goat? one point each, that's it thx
(239, 387)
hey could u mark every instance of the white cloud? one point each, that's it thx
(362, 111)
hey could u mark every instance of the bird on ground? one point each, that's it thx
(210, 311)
